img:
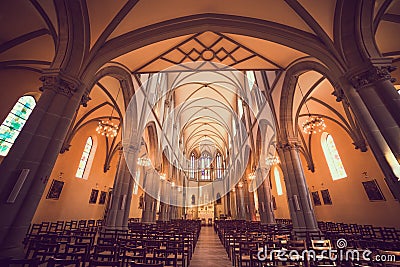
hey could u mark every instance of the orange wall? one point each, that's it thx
(350, 203)
(73, 203)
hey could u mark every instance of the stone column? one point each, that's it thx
(301, 210)
(249, 204)
(240, 202)
(151, 182)
(265, 198)
(36, 149)
(382, 101)
(118, 214)
(233, 203)
(373, 134)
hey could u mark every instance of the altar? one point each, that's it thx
(206, 214)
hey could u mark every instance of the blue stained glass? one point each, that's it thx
(14, 122)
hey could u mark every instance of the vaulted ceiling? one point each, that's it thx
(30, 33)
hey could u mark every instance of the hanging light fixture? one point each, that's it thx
(144, 161)
(252, 176)
(163, 176)
(272, 160)
(107, 127)
(313, 124)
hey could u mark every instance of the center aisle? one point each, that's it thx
(209, 250)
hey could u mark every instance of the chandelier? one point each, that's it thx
(144, 161)
(163, 176)
(314, 124)
(107, 127)
(272, 160)
(252, 176)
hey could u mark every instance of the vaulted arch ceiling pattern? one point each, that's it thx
(32, 35)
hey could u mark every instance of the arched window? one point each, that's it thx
(85, 157)
(278, 181)
(192, 166)
(251, 79)
(205, 167)
(332, 157)
(219, 166)
(14, 122)
(240, 108)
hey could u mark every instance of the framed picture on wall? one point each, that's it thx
(315, 198)
(373, 191)
(102, 198)
(93, 196)
(55, 189)
(326, 197)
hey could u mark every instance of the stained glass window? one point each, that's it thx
(85, 157)
(205, 167)
(219, 166)
(278, 181)
(332, 157)
(251, 79)
(192, 166)
(240, 108)
(14, 122)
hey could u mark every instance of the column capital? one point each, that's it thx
(286, 146)
(85, 99)
(365, 77)
(57, 81)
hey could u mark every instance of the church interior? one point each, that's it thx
(198, 133)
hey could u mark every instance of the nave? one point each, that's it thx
(189, 243)
(128, 124)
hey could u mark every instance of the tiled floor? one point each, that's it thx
(209, 251)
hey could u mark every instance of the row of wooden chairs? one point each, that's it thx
(54, 262)
(170, 243)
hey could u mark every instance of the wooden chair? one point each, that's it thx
(53, 262)
(136, 264)
(135, 254)
(106, 252)
(44, 251)
(96, 263)
(299, 258)
(322, 259)
(9, 262)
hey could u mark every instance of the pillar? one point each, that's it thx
(301, 210)
(265, 198)
(150, 183)
(384, 154)
(36, 149)
(382, 101)
(118, 214)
